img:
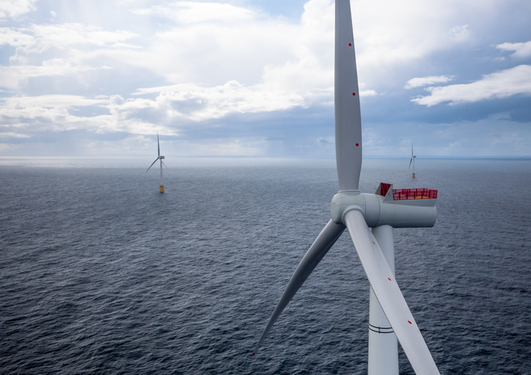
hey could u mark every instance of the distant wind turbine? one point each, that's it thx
(370, 220)
(413, 157)
(159, 157)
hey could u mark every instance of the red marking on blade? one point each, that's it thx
(350, 44)
(373, 243)
(389, 278)
(353, 94)
(409, 322)
(357, 144)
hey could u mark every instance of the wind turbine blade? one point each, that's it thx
(152, 164)
(158, 144)
(410, 162)
(326, 239)
(165, 165)
(389, 295)
(346, 101)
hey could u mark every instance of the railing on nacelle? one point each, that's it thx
(406, 194)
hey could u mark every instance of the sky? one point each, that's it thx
(254, 78)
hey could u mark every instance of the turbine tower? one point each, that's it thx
(413, 157)
(159, 157)
(370, 220)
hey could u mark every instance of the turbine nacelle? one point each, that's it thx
(404, 208)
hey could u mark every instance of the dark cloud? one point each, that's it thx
(295, 123)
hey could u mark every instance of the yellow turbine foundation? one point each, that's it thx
(413, 176)
(161, 188)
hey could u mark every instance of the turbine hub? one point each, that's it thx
(348, 200)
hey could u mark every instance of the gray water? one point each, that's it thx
(99, 273)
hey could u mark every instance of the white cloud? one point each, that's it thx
(49, 112)
(186, 12)
(202, 103)
(427, 81)
(368, 93)
(14, 37)
(15, 8)
(74, 33)
(502, 84)
(13, 135)
(52, 101)
(391, 32)
(521, 50)
(54, 50)
(12, 76)
(460, 33)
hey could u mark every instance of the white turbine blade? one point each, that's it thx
(326, 239)
(410, 162)
(165, 165)
(158, 144)
(347, 102)
(152, 164)
(389, 295)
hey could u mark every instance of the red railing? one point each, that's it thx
(405, 194)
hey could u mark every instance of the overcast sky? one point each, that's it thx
(255, 77)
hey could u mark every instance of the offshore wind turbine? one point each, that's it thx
(413, 157)
(159, 157)
(370, 220)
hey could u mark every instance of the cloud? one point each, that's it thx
(198, 103)
(71, 34)
(522, 50)
(59, 113)
(368, 93)
(14, 38)
(384, 39)
(12, 76)
(48, 112)
(15, 8)
(13, 135)
(237, 77)
(55, 50)
(186, 12)
(52, 101)
(427, 81)
(502, 84)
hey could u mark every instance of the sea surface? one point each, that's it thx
(100, 273)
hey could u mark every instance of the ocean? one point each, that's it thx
(100, 273)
